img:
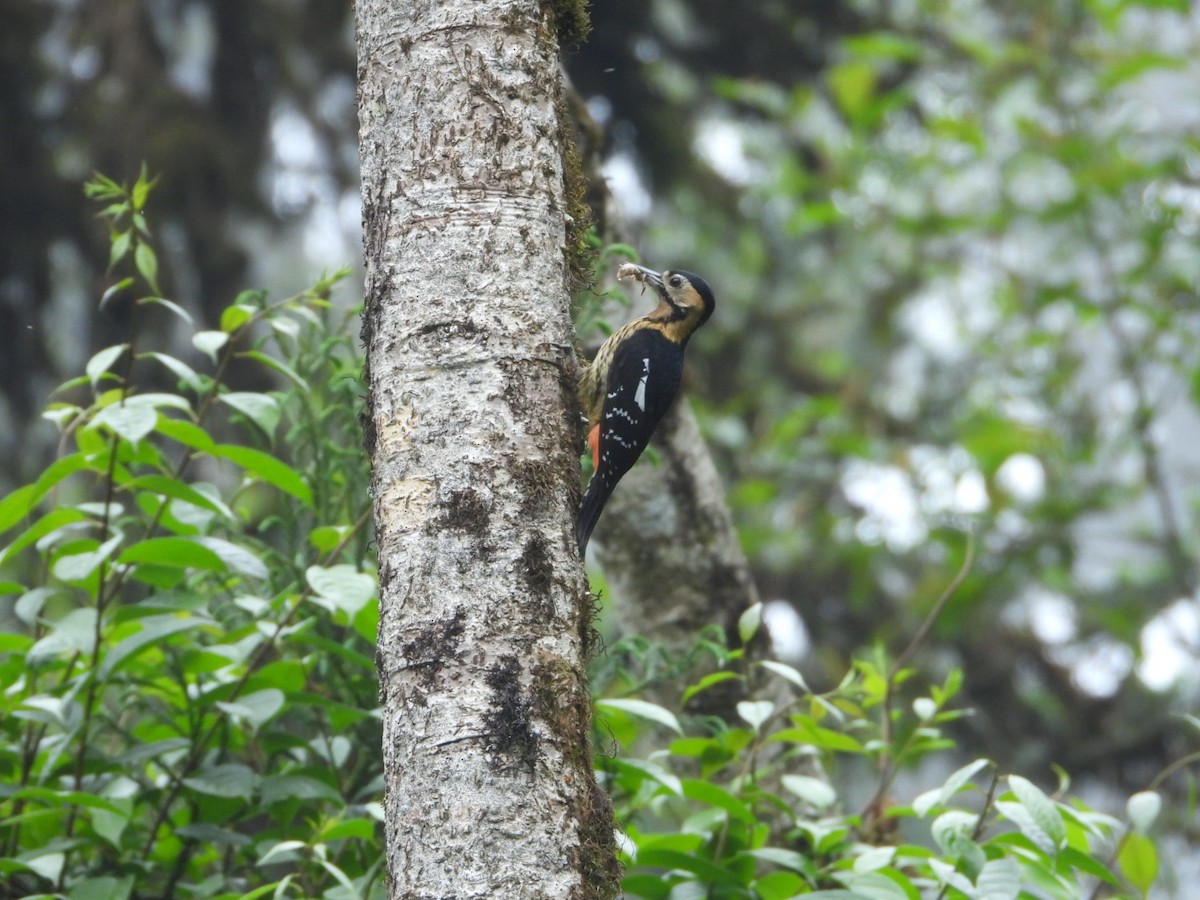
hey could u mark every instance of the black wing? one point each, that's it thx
(642, 382)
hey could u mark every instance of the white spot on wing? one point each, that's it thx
(640, 397)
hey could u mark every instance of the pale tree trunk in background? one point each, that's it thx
(484, 612)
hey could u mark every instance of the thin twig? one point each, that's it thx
(936, 611)
(104, 594)
(887, 761)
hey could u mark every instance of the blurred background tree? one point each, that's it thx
(955, 243)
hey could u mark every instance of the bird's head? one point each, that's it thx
(684, 296)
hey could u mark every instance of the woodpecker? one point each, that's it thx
(630, 384)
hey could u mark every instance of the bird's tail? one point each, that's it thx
(589, 512)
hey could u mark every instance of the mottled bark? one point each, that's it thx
(485, 614)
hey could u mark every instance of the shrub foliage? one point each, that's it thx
(190, 700)
(190, 709)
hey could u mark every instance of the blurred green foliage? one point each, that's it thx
(958, 280)
(955, 249)
(794, 798)
(190, 703)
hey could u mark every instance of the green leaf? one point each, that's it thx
(277, 788)
(47, 524)
(749, 622)
(778, 856)
(716, 796)
(289, 328)
(281, 367)
(779, 885)
(226, 780)
(168, 304)
(875, 858)
(348, 888)
(999, 879)
(278, 887)
(958, 780)
(111, 825)
(876, 886)
(214, 835)
(884, 45)
(158, 399)
(17, 506)
(360, 829)
(253, 299)
(185, 373)
(54, 711)
(139, 753)
(150, 631)
(340, 588)
(78, 567)
(174, 552)
(1041, 807)
(257, 708)
(78, 627)
(283, 851)
(1086, 863)
(209, 342)
(643, 769)
(268, 468)
(710, 872)
(29, 606)
(141, 189)
(19, 503)
(366, 621)
(102, 361)
(786, 672)
(131, 422)
(178, 490)
(852, 85)
(261, 409)
(187, 434)
(119, 248)
(708, 681)
(235, 316)
(104, 887)
(642, 710)
(326, 537)
(237, 559)
(147, 265)
(1138, 861)
(48, 865)
(54, 798)
(821, 738)
(101, 187)
(364, 662)
(810, 790)
(755, 712)
(1019, 814)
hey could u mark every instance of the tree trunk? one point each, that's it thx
(484, 617)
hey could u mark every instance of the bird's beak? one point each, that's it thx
(647, 276)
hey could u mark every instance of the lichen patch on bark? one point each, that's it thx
(510, 736)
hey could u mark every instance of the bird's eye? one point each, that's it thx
(675, 281)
